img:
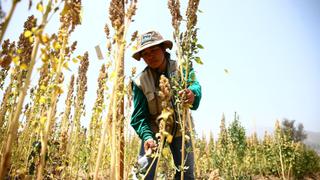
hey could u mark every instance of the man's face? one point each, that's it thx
(153, 56)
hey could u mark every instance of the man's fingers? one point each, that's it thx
(187, 94)
(149, 151)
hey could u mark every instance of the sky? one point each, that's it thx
(269, 47)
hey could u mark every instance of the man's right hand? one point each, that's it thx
(149, 146)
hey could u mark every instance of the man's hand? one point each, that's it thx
(188, 96)
(149, 146)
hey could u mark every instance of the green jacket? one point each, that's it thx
(141, 116)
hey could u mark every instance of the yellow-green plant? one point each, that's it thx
(69, 18)
(23, 58)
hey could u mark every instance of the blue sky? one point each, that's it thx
(270, 47)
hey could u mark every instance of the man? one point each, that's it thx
(147, 104)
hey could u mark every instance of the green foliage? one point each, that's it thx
(237, 137)
(235, 156)
(307, 161)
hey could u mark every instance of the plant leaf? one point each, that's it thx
(200, 46)
(27, 33)
(198, 60)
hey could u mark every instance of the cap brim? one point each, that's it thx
(166, 43)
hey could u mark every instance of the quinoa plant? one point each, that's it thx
(69, 18)
(23, 57)
(187, 47)
(121, 13)
(79, 108)
(66, 118)
(96, 118)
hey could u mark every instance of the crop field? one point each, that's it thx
(39, 141)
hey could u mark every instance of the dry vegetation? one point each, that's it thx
(38, 142)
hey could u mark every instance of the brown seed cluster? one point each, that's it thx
(70, 15)
(24, 45)
(174, 6)
(107, 31)
(132, 9)
(71, 49)
(82, 79)
(116, 11)
(192, 13)
(164, 93)
(103, 75)
(6, 54)
(66, 117)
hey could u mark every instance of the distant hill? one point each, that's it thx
(313, 140)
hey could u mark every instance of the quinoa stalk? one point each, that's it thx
(120, 19)
(183, 133)
(117, 117)
(96, 120)
(66, 117)
(105, 129)
(14, 122)
(185, 42)
(190, 127)
(48, 124)
(69, 18)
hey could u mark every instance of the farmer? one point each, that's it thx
(147, 104)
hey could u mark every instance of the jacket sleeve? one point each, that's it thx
(195, 87)
(139, 117)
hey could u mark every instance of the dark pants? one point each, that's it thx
(175, 148)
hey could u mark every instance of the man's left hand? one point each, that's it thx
(188, 96)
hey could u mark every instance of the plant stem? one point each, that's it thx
(183, 128)
(8, 18)
(105, 129)
(192, 141)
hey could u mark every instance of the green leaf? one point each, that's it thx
(200, 46)
(198, 60)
